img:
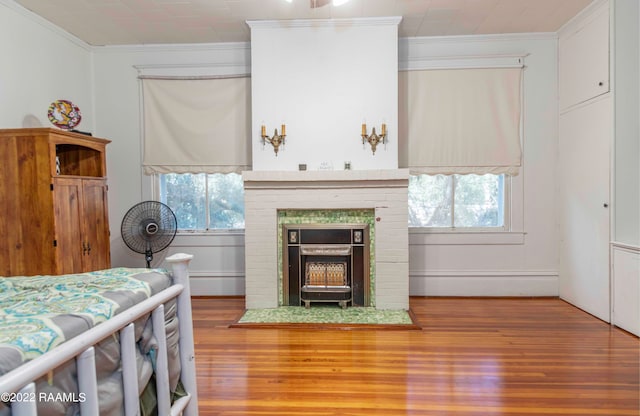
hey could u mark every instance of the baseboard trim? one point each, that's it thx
(483, 283)
(217, 285)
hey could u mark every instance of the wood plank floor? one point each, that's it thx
(472, 357)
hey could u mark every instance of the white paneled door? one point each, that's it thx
(584, 61)
(584, 166)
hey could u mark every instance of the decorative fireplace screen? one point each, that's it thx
(326, 264)
(326, 275)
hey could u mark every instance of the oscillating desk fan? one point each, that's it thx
(149, 227)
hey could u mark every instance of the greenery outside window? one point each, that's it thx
(204, 201)
(458, 202)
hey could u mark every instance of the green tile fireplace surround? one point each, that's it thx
(327, 216)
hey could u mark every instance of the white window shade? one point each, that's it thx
(197, 125)
(461, 121)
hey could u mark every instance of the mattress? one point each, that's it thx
(38, 313)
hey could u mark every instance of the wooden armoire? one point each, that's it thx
(53, 202)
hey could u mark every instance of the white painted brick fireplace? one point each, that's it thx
(384, 191)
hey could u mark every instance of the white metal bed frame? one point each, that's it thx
(20, 385)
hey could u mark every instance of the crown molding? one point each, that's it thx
(315, 23)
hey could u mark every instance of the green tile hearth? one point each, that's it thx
(326, 314)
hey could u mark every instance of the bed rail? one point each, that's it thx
(19, 384)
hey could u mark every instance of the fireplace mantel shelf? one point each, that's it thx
(324, 178)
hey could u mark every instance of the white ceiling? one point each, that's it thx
(126, 22)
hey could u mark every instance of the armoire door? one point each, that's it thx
(67, 207)
(96, 226)
(82, 226)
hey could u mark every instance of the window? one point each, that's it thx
(457, 201)
(204, 201)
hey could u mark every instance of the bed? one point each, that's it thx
(111, 342)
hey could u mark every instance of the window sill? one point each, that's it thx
(229, 231)
(424, 236)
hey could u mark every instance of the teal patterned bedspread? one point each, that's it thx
(29, 305)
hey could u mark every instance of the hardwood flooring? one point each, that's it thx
(472, 357)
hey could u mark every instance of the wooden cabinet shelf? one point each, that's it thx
(78, 160)
(54, 202)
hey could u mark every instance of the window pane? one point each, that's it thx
(185, 195)
(478, 200)
(430, 201)
(226, 201)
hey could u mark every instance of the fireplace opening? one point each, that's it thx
(326, 274)
(322, 264)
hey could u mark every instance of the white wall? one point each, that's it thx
(40, 64)
(625, 249)
(523, 262)
(323, 79)
(626, 72)
(219, 258)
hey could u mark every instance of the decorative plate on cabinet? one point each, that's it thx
(64, 114)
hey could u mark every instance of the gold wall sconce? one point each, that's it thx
(276, 140)
(373, 138)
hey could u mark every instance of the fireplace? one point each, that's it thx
(326, 263)
(377, 198)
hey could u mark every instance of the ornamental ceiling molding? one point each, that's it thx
(315, 23)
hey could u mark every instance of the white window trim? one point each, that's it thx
(511, 233)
